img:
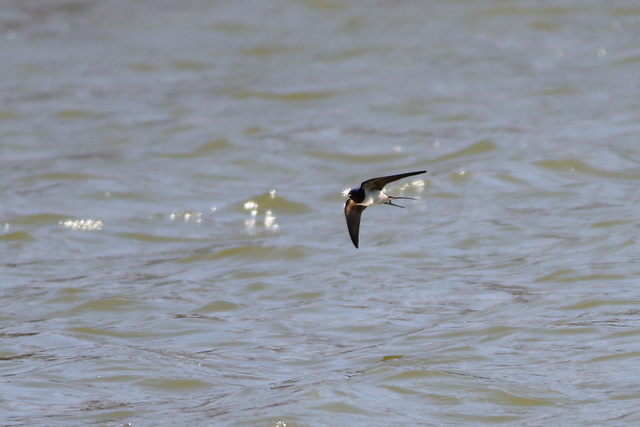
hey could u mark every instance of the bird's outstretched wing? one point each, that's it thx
(352, 212)
(379, 183)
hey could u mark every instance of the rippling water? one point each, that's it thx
(174, 248)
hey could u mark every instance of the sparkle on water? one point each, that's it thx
(186, 216)
(269, 220)
(250, 205)
(83, 224)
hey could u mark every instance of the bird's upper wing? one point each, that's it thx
(352, 212)
(379, 183)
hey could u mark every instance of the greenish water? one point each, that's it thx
(174, 248)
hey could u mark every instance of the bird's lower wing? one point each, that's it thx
(352, 212)
(379, 183)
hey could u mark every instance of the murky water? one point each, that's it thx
(174, 249)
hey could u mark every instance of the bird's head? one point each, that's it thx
(357, 195)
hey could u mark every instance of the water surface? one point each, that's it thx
(174, 247)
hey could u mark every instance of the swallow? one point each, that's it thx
(370, 193)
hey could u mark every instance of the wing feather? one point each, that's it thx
(352, 212)
(379, 183)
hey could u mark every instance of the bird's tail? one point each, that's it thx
(390, 202)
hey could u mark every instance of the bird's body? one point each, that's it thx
(375, 198)
(370, 193)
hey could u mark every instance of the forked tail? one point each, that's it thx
(398, 197)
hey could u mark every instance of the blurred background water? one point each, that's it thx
(174, 248)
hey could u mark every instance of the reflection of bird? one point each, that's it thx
(370, 193)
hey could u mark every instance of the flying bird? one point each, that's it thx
(370, 193)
